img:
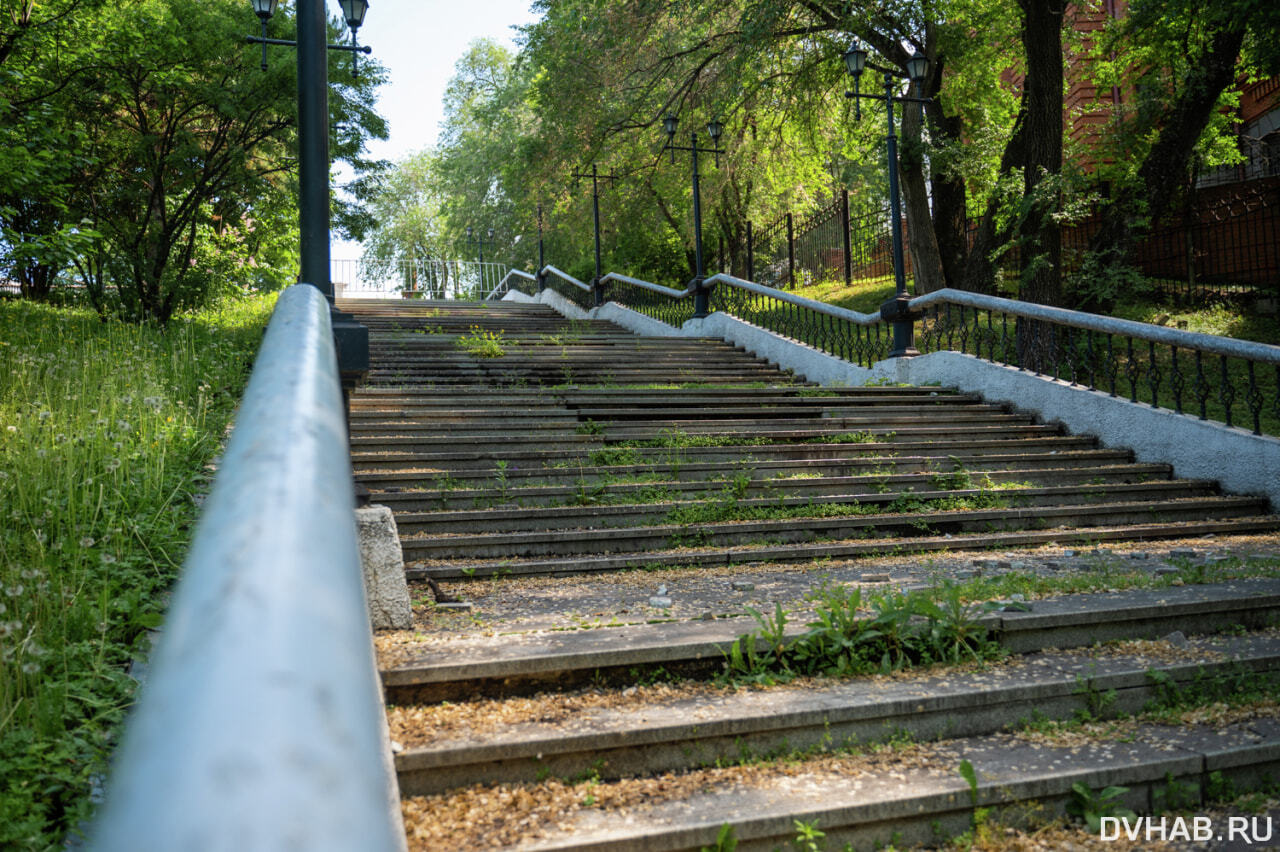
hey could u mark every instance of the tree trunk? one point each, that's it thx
(926, 261)
(1164, 171)
(1041, 242)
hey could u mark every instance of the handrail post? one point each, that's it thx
(751, 257)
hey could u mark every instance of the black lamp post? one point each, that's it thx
(701, 302)
(480, 241)
(542, 261)
(351, 338)
(596, 177)
(895, 310)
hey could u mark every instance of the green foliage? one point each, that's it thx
(105, 432)
(901, 630)
(725, 840)
(147, 157)
(481, 343)
(1090, 807)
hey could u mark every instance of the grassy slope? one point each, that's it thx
(106, 431)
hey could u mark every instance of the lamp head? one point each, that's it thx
(469, 232)
(714, 128)
(855, 59)
(264, 9)
(354, 11)
(918, 67)
(490, 233)
(669, 125)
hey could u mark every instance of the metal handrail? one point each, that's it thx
(566, 277)
(260, 725)
(501, 285)
(791, 298)
(1228, 346)
(647, 285)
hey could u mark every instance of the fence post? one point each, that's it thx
(751, 255)
(844, 231)
(791, 254)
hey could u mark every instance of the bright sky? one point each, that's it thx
(419, 42)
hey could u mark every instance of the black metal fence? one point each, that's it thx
(843, 239)
(1221, 243)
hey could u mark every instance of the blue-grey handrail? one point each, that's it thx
(856, 317)
(1228, 346)
(1190, 340)
(646, 285)
(259, 726)
(501, 286)
(564, 276)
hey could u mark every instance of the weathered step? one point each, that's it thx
(872, 465)
(633, 514)
(902, 799)
(689, 558)
(424, 438)
(521, 664)
(462, 458)
(811, 487)
(711, 728)
(787, 530)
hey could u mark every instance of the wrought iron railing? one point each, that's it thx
(662, 303)
(261, 722)
(856, 337)
(578, 292)
(1236, 382)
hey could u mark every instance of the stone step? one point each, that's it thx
(796, 530)
(899, 797)
(472, 459)
(486, 438)
(525, 518)
(878, 466)
(522, 664)
(816, 487)
(1135, 530)
(638, 737)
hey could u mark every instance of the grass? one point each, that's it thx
(864, 294)
(106, 431)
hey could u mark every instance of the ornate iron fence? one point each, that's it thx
(571, 288)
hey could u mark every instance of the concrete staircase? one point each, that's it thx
(514, 445)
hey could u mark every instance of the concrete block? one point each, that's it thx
(384, 581)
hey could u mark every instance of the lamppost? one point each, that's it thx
(701, 302)
(542, 261)
(350, 337)
(479, 242)
(596, 177)
(896, 310)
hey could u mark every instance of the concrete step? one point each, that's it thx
(795, 530)
(638, 737)
(1124, 530)
(589, 516)
(876, 466)
(523, 664)
(465, 458)
(808, 487)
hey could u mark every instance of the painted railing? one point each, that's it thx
(1234, 381)
(261, 723)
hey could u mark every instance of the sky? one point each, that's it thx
(419, 42)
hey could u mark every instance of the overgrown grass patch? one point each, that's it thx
(106, 431)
